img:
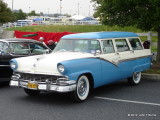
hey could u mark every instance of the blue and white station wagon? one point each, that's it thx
(81, 62)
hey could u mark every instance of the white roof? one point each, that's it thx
(78, 17)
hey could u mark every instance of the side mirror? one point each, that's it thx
(97, 52)
(47, 51)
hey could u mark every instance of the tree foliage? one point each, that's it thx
(144, 14)
(33, 13)
(6, 14)
(20, 15)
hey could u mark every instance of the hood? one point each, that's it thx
(47, 64)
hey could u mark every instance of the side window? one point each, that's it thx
(37, 48)
(107, 46)
(121, 45)
(135, 43)
(19, 48)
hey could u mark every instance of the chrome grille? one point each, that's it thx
(39, 77)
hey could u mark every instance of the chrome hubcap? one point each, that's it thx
(82, 87)
(137, 76)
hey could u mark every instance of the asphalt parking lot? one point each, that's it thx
(117, 101)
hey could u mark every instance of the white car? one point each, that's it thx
(81, 62)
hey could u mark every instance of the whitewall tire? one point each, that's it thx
(135, 79)
(82, 90)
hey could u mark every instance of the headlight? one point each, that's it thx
(61, 68)
(13, 64)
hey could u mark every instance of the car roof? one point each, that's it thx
(100, 35)
(18, 40)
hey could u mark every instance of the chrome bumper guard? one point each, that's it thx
(61, 85)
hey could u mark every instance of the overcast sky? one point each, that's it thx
(53, 6)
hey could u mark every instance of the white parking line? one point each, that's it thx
(129, 101)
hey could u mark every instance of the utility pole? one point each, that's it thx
(89, 11)
(48, 11)
(29, 10)
(78, 8)
(60, 7)
(12, 5)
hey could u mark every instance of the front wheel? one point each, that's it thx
(135, 79)
(82, 90)
(31, 92)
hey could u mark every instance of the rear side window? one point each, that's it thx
(121, 45)
(135, 43)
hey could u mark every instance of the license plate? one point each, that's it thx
(33, 85)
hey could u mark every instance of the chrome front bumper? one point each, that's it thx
(62, 86)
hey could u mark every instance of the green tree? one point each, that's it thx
(6, 14)
(41, 14)
(20, 15)
(144, 14)
(33, 13)
(67, 15)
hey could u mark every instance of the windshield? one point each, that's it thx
(76, 45)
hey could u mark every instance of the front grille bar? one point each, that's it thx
(39, 77)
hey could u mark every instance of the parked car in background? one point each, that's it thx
(81, 62)
(13, 48)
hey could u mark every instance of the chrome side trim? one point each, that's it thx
(124, 60)
(108, 61)
(135, 58)
(114, 63)
(4, 65)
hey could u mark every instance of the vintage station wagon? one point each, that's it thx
(81, 62)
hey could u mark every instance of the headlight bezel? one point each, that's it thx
(13, 64)
(61, 68)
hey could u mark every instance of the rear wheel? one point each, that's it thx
(82, 90)
(135, 79)
(31, 92)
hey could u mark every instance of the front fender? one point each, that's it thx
(77, 67)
